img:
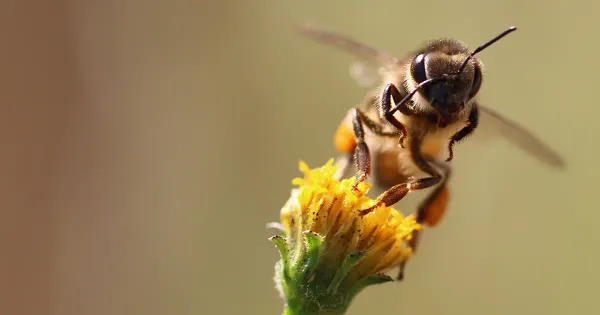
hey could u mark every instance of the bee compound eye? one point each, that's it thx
(418, 68)
(476, 81)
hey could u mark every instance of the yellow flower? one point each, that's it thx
(329, 250)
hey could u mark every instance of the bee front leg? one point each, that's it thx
(465, 131)
(385, 111)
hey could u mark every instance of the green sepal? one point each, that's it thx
(285, 256)
(312, 288)
(367, 281)
(313, 252)
(343, 271)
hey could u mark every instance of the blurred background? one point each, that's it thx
(146, 145)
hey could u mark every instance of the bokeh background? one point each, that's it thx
(147, 144)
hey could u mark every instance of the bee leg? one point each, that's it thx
(400, 275)
(397, 192)
(361, 153)
(431, 210)
(465, 131)
(375, 127)
(425, 212)
(385, 111)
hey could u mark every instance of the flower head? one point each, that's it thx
(329, 251)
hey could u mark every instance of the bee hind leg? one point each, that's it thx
(431, 211)
(397, 192)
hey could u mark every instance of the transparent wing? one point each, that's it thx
(346, 43)
(494, 123)
(364, 74)
(369, 69)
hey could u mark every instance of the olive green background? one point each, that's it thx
(146, 145)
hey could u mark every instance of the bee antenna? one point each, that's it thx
(413, 92)
(484, 46)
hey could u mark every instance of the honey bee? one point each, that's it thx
(426, 103)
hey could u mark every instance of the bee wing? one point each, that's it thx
(496, 124)
(373, 62)
(365, 74)
(346, 43)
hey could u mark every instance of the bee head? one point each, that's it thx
(453, 85)
(447, 75)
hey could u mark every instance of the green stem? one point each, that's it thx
(288, 311)
(293, 311)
